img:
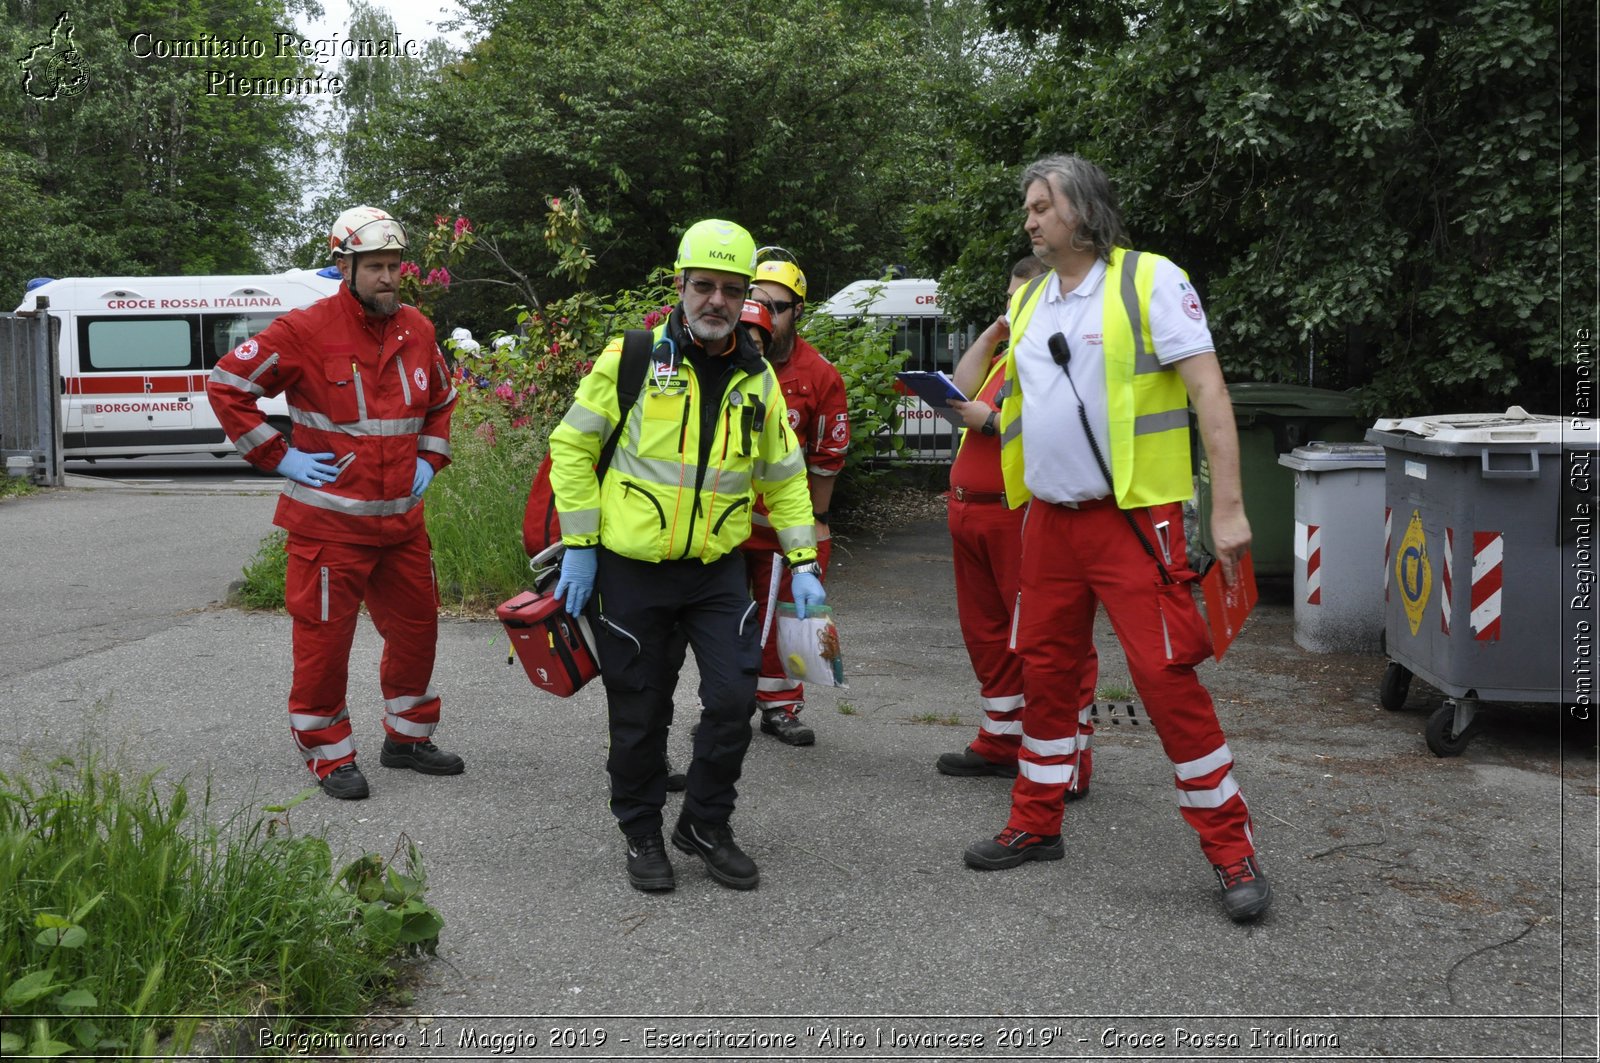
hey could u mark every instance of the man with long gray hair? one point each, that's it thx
(1108, 350)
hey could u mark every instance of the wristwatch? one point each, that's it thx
(810, 568)
(821, 515)
(988, 425)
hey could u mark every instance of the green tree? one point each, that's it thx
(1367, 192)
(806, 125)
(143, 166)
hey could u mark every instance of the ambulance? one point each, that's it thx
(135, 353)
(911, 307)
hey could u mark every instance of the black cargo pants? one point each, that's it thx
(646, 614)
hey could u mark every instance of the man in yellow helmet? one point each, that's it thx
(1108, 351)
(652, 550)
(819, 416)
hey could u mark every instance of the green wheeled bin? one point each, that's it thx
(1274, 419)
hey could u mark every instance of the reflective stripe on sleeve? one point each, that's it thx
(581, 522)
(239, 383)
(789, 465)
(434, 445)
(442, 403)
(587, 422)
(252, 439)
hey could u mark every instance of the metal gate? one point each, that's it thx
(30, 397)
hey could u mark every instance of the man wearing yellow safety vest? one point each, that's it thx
(1108, 351)
(653, 548)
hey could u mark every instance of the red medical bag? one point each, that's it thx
(555, 649)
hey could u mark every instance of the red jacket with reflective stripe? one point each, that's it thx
(377, 389)
(819, 415)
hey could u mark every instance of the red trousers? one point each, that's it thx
(987, 555)
(774, 688)
(1072, 558)
(327, 582)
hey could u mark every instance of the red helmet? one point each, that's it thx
(758, 315)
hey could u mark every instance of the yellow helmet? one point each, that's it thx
(781, 271)
(362, 229)
(719, 245)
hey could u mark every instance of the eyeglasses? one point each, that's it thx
(779, 306)
(734, 293)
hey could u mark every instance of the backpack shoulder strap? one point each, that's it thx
(636, 347)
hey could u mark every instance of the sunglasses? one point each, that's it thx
(779, 306)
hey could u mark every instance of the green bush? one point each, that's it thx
(128, 914)
(264, 574)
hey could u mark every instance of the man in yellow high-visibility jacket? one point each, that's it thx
(655, 547)
(1108, 350)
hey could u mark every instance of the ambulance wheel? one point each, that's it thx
(1396, 684)
(1443, 738)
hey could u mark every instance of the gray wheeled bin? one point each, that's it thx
(1488, 517)
(1338, 546)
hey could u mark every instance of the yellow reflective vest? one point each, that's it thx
(1147, 404)
(658, 502)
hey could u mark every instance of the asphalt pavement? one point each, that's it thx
(1423, 907)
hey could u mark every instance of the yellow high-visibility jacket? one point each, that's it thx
(658, 502)
(1147, 404)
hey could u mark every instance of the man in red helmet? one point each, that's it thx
(820, 418)
(370, 398)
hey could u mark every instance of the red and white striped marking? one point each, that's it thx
(1313, 564)
(1449, 579)
(1388, 545)
(1488, 551)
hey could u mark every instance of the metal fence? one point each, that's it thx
(30, 397)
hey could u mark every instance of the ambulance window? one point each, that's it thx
(224, 332)
(122, 343)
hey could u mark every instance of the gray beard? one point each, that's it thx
(380, 305)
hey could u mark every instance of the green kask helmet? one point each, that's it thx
(719, 245)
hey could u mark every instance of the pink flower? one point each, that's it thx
(463, 225)
(440, 276)
(440, 221)
(555, 203)
(555, 347)
(506, 391)
(410, 269)
(540, 366)
(519, 422)
(652, 319)
(485, 432)
(583, 369)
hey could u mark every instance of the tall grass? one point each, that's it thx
(475, 511)
(123, 908)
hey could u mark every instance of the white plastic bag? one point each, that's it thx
(809, 648)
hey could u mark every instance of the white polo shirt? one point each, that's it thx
(1058, 465)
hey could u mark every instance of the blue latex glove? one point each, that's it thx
(312, 470)
(807, 593)
(578, 565)
(424, 477)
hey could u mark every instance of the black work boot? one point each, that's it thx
(648, 867)
(1245, 890)
(714, 844)
(424, 756)
(345, 782)
(784, 725)
(967, 762)
(1012, 847)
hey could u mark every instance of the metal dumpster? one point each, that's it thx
(1338, 544)
(1487, 519)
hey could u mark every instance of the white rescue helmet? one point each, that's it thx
(362, 229)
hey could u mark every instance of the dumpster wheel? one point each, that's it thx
(1396, 684)
(1451, 727)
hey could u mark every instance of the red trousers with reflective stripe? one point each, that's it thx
(987, 555)
(1072, 558)
(774, 688)
(326, 585)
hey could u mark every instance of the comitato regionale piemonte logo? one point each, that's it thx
(53, 69)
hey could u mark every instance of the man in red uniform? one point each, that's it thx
(820, 418)
(987, 538)
(370, 398)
